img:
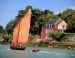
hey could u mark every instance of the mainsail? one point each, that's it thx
(24, 28)
(15, 34)
(21, 30)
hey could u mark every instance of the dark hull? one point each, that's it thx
(15, 47)
(3, 42)
(35, 50)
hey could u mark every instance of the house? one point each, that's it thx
(53, 25)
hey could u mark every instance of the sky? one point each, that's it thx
(9, 8)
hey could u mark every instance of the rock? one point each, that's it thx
(69, 47)
(50, 46)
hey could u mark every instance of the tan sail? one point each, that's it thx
(15, 34)
(24, 28)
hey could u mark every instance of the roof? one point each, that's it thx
(54, 21)
(58, 21)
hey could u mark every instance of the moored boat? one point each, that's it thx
(3, 42)
(35, 50)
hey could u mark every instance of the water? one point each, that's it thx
(6, 52)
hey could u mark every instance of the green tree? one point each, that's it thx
(9, 27)
(69, 16)
(1, 30)
(29, 7)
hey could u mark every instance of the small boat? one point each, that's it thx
(35, 50)
(2, 41)
(21, 32)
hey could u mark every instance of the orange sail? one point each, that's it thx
(21, 31)
(24, 28)
(15, 34)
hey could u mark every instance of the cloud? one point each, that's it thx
(56, 12)
(72, 7)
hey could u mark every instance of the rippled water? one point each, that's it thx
(6, 52)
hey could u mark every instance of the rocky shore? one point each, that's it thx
(68, 45)
(62, 45)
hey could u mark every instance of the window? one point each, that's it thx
(50, 25)
(63, 26)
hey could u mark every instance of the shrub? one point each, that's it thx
(7, 37)
(56, 35)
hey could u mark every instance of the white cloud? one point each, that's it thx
(72, 7)
(56, 12)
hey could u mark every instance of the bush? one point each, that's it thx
(56, 35)
(6, 37)
(31, 36)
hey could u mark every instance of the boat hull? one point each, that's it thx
(17, 47)
(35, 50)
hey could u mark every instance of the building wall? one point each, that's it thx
(62, 25)
(43, 34)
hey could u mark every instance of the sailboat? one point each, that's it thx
(21, 32)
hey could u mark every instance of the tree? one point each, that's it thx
(29, 7)
(1, 30)
(69, 16)
(35, 27)
(9, 27)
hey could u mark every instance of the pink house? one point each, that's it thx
(52, 25)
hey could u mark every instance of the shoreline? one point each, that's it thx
(60, 45)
